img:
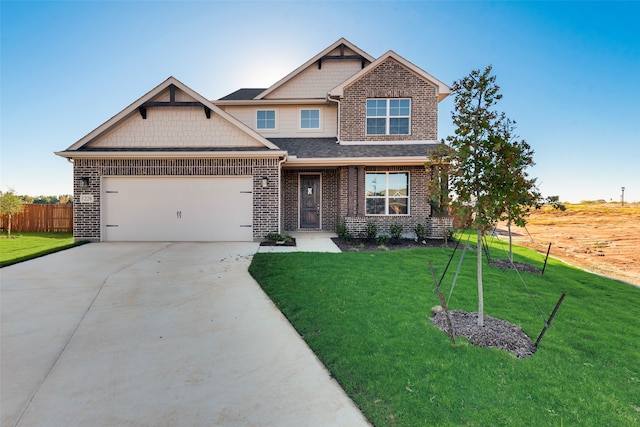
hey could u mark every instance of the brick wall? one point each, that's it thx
(330, 185)
(419, 208)
(86, 215)
(438, 227)
(390, 80)
(290, 196)
(289, 200)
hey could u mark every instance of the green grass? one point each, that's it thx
(23, 246)
(366, 316)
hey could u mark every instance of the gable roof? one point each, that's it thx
(244, 94)
(342, 41)
(443, 89)
(136, 106)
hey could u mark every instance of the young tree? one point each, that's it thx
(487, 164)
(10, 204)
(516, 191)
(438, 185)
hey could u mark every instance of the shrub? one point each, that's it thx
(274, 236)
(372, 230)
(343, 232)
(421, 232)
(382, 239)
(396, 230)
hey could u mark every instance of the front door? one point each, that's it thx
(309, 201)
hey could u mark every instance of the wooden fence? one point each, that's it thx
(41, 218)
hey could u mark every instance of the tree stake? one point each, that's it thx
(547, 323)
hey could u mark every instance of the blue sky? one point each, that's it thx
(569, 71)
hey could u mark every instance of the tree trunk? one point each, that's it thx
(9, 226)
(510, 241)
(480, 296)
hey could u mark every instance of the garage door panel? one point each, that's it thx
(177, 209)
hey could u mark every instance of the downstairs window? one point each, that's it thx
(387, 193)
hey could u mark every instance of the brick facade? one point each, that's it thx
(335, 201)
(87, 174)
(438, 227)
(191, 128)
(389, 80)
(329, 200)
(419, 208)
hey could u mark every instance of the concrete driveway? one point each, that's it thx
(156, 334)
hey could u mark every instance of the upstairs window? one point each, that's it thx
(387, 193)
(266, 119)
(310, 119)
(388, 116)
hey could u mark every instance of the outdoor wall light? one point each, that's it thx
(265, 182)
(84, 181)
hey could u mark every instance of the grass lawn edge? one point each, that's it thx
(42, 253)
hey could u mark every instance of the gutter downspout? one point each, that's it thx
(280, 162)
(337, 101)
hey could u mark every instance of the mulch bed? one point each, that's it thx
(504, 264)
(495, 333)
(366, 245)
(291, 242)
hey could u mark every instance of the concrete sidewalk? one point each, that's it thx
(156, 334)
(311, 241)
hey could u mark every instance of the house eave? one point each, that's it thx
(442, 89)
(171, 154)
(400, 142)
(245, 102)
(293, 161)
(133, 108)
(304, 66)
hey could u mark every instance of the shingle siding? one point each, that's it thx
(174, 127)
(315, 82)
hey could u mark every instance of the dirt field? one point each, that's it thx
(601, 238)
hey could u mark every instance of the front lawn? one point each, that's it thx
(23, 246)
(366, 316)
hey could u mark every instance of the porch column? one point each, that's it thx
(360, 192)
(351, 190)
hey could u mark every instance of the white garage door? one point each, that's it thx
(196, 209)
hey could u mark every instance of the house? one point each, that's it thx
(343, 138)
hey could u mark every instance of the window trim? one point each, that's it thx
(319, 128)
(275, 119)
(387, 117)
(386, 197)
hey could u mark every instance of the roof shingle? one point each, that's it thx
(244, 94)
(318, 148)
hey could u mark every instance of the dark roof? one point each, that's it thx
(315, 148)
(243, 94)
(302, 148)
